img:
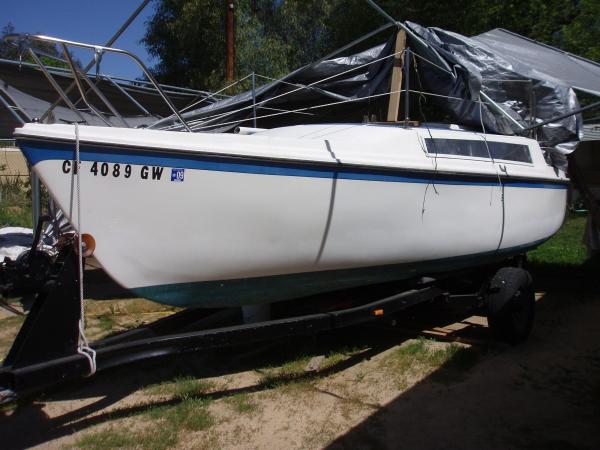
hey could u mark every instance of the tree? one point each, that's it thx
(8, 50)
(274, 37)
(582, 35)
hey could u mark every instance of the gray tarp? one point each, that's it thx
(507, 77)
(350, 77)
(458, 67)
(573, 70)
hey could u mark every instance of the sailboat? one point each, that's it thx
(205, 219)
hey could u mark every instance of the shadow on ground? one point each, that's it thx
(542, 394)
(29, 425)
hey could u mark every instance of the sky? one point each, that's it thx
(89, 21)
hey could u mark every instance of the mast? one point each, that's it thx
(230, 41)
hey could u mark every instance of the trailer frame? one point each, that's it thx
(47, 349)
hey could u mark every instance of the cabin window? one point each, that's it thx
(475, 148)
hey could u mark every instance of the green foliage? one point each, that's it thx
(106, 322)
(273, 37)
(450, 362)
(167, 423)
(109, 438)
(154, 439)
(565, 248)
(582, 35)
(182, 388)
(243, 403)
(191, 414)
(15, 202)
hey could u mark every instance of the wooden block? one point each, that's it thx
(396, 84)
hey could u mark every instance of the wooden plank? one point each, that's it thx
(396, 84)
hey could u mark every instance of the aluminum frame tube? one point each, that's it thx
(110, 42)
(56, 87)
(80, 87)
(138, 61)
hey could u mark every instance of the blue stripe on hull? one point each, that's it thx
(246, 291)
(36, 151)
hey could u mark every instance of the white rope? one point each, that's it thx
(83, 347)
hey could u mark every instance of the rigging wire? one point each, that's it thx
(501, 185)
(201, 124)
(311, 108)
(185, 108)
(228, 113)
(421, 97)
(198, 124)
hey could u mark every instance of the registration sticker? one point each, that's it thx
(177, 175)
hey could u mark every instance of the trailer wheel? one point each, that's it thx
(511, 304)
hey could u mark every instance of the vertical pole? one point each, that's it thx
(532, 110)
(396, 84)
(406, 86)
(230, 41)
(254, 98)
(35, 198)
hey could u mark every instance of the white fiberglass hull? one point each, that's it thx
(192, 228)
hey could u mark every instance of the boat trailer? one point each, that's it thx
(46, 351)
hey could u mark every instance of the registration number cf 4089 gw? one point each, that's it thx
(117, 170)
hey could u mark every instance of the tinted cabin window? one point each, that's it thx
(463, 147)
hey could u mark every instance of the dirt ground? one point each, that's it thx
(434, 380)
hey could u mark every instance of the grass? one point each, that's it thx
(293, 373)
(181, 388)
(109, 438)
(106, 322)
(419, 356)
(188, 413)
(9, 328)
(564, 257)
(12, 321)
(243, 403)
(153, 438)
(565, 248)
(191, 414)
(289, 374)
(457, 360)
(15, 201)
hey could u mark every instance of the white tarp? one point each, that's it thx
(14, 241)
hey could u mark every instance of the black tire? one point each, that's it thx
(511, 304)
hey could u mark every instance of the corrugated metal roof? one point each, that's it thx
(591, 132)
